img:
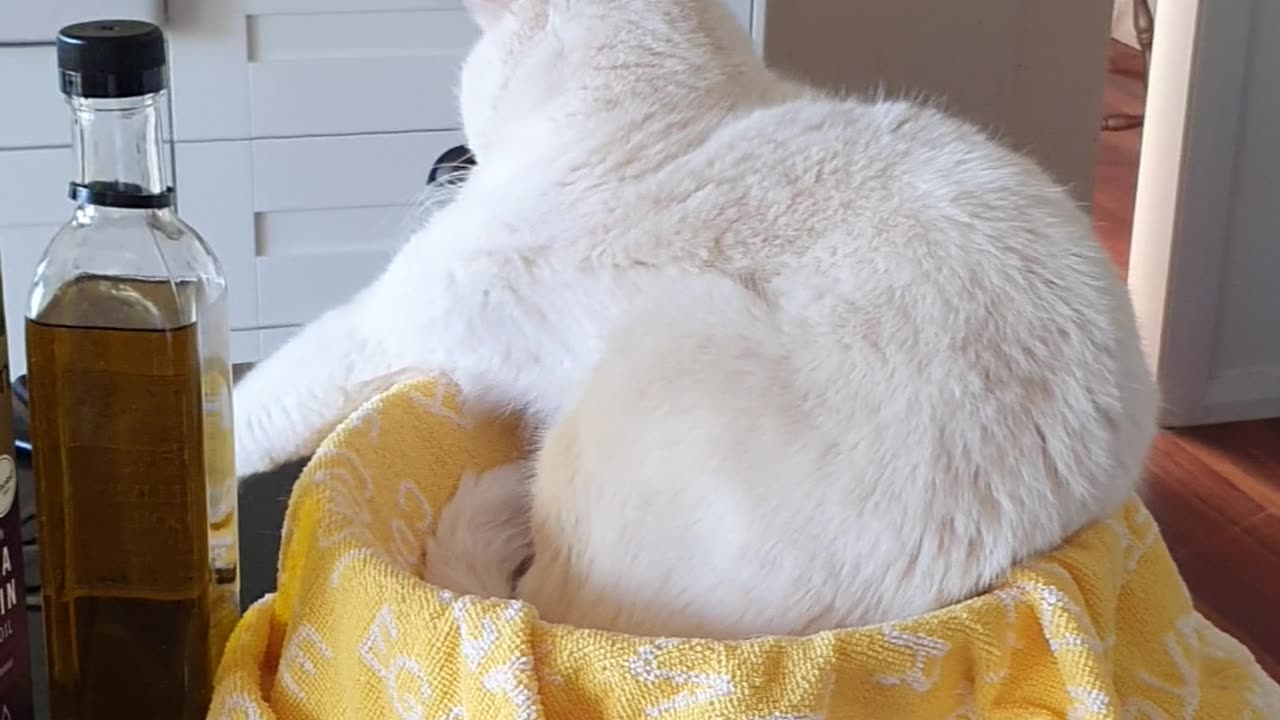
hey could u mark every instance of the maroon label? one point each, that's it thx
(15, 649)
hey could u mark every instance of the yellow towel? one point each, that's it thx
(1102, 628)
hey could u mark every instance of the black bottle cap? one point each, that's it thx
(111, 59)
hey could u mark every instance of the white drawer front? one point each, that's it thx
(262, 7)
(329, 214)
(356, 71)
(33, 112)
(295, 290)
(33, 206)
(246, 346)
(357, 171)
(214, 195)
(274, 338)
(290, 68)
(209, 69)
(21, 248)
(33, 186)
(35, 21)
(207, 65)
(328, 96)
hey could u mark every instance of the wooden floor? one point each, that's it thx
(1216, 490)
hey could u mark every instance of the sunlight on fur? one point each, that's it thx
(796, 362)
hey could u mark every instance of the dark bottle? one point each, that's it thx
(128, 357)
(15, 657)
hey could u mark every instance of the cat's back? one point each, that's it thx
(935, 353)
(892, 233)
(798, 177)
(902, 364)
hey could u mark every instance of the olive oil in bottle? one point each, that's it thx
(128, 361)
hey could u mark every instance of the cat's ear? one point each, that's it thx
(487, 13)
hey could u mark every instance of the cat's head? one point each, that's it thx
(538, 62)
(511, 70)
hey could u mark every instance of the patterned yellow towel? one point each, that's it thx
(1102, 628)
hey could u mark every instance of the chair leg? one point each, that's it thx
(1144, 30)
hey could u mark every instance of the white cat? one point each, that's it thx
(802, 362)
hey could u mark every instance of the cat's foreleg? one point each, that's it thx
(287, 404)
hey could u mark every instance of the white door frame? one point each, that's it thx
(1183, 215)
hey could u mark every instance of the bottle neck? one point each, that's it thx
(118, 149)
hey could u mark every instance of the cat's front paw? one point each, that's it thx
(257, 447)
(252, 455)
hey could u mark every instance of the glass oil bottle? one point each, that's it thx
(128, 357)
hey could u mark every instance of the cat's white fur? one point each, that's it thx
(802, 362)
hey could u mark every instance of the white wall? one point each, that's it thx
(1249, 335)
(1031, 70)
(1206, 245)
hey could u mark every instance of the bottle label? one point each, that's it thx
(15, 661)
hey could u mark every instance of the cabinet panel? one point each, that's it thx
(323, 96)
(36, 21)
(208, 64)
(33, 186)
(215, 196)
(288, 68)
(34, 113)
(317, 6)
(330, 212)
(21, 248)
(246, 346)
(292, 36)
(209, 68)
(356, 171)
(295, 289)
(274, 338)
(356, 72)
(33, 206)
(306, 232)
